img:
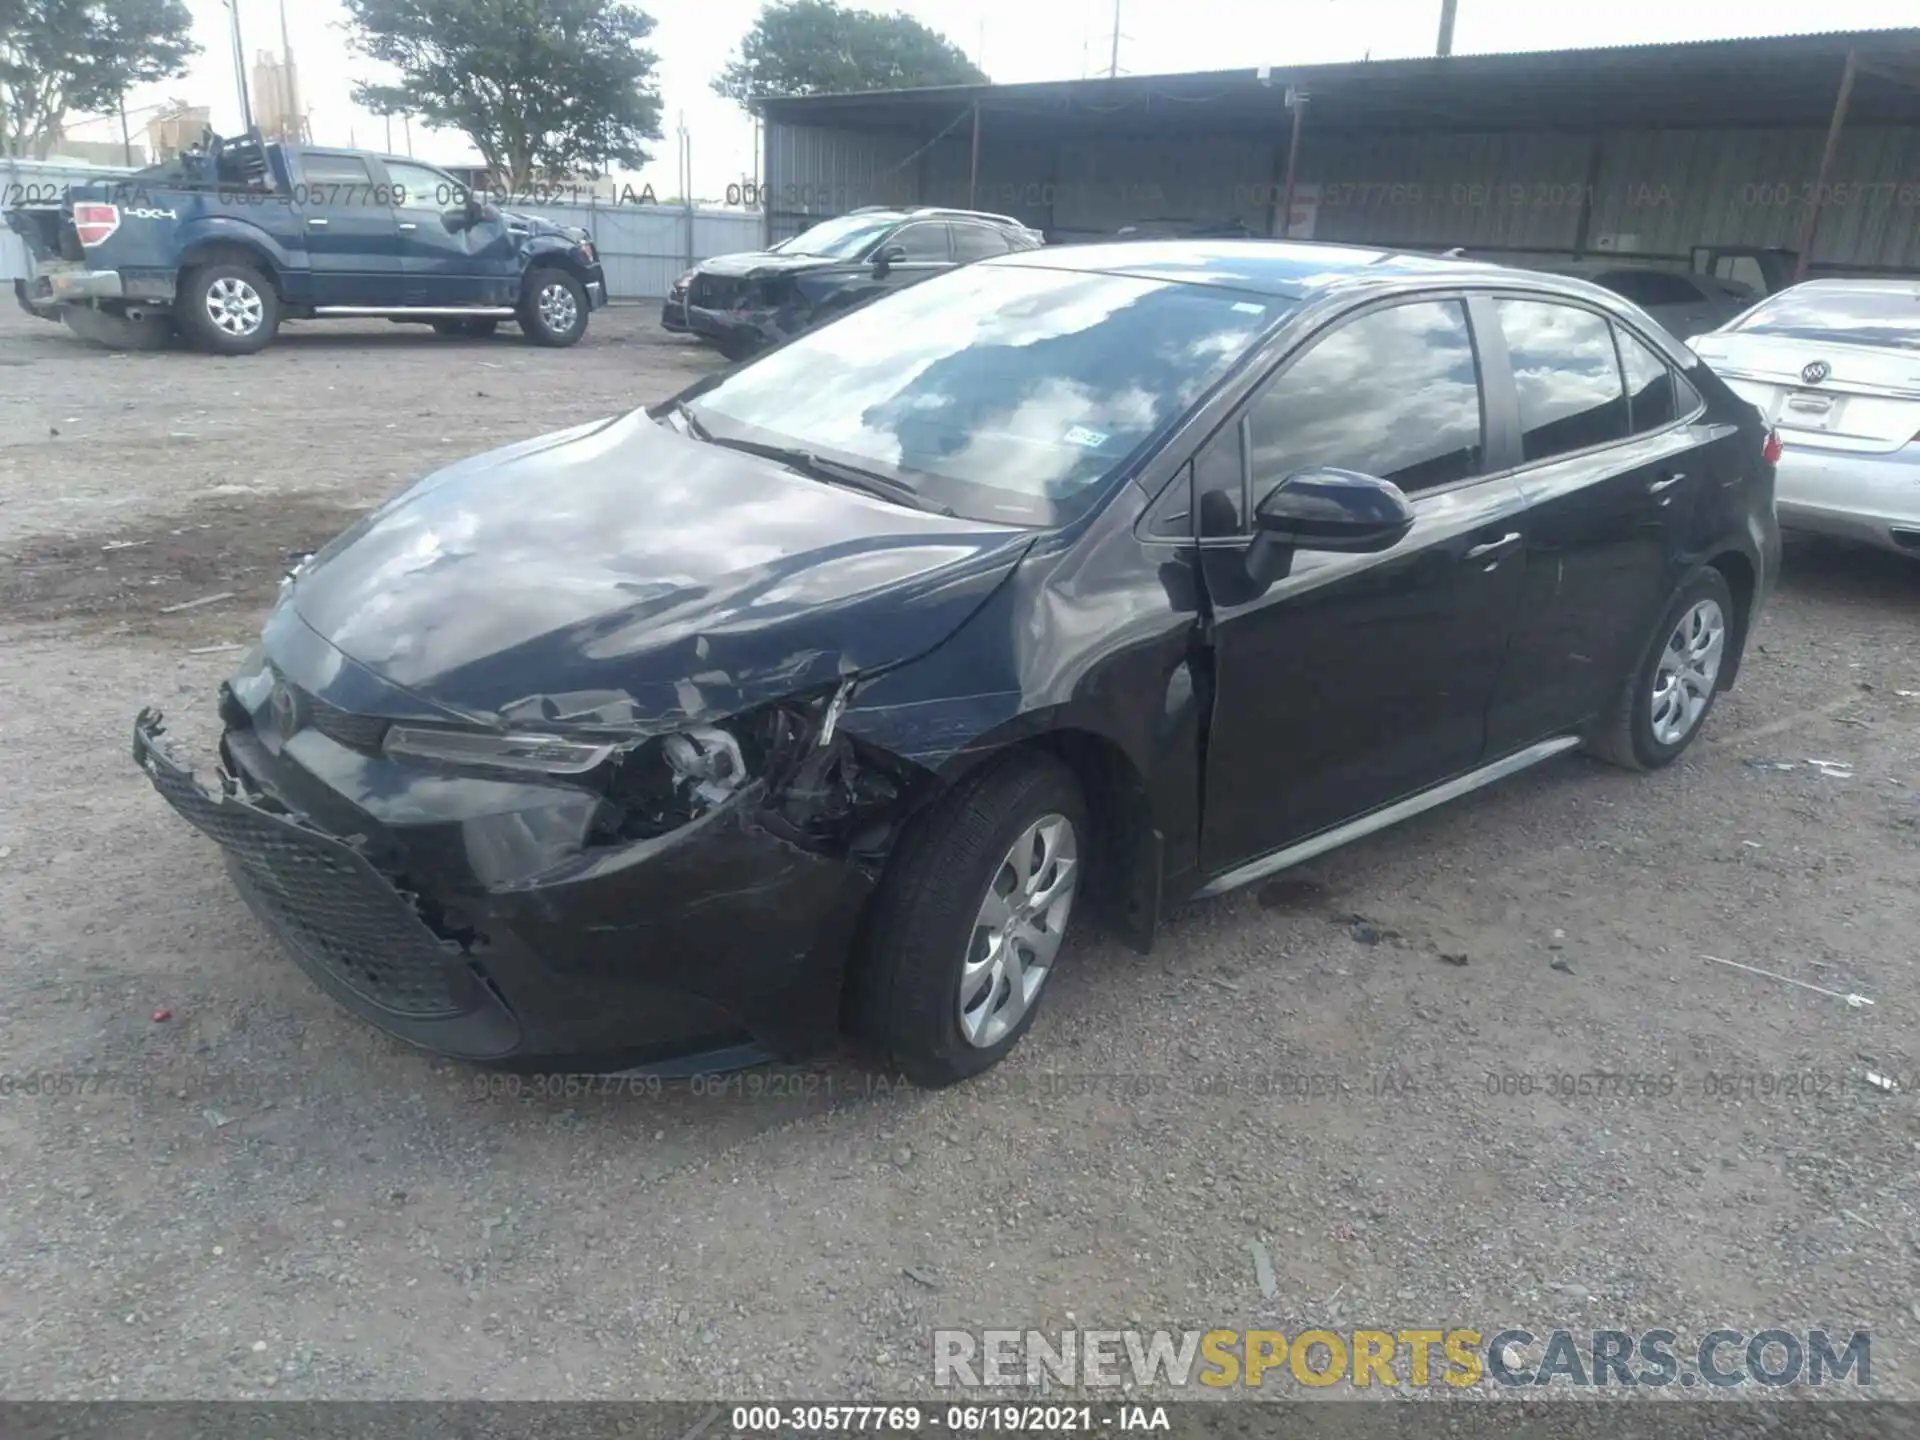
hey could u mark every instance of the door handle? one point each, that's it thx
(317, 223)
(408, 225)
(1488, 549)
(1665, 482)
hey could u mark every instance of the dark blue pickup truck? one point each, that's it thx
(225, 242)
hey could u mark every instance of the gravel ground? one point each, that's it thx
(259, 1196)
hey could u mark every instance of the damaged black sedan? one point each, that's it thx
(743, 304)
(818, 701)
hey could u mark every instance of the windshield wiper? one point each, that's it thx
(692, 421)
(832, 472)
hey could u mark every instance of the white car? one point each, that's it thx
(1834, 366)
(1685, 305)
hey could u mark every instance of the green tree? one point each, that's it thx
(64, 57)
(559, 87)
(816, 47)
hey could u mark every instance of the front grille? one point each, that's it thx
(331, 907)
(716, 292)
(356, 732)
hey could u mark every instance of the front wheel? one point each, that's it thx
(227, 308)
(1665, 702)
(553, 308)
(968, 923)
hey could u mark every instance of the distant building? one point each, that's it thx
(276, 98)
(173, 131)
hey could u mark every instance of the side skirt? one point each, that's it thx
(1389, 815)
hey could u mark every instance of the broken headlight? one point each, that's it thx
(540, 754)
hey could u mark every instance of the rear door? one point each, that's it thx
(972, 241)
(352, 238)
(1610, 467)
(1356, 679)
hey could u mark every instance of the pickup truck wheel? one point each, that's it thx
(553, 308)
(477, 329)
(227, 308)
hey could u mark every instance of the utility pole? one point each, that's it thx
(240, 66)
(126, 138)
(1445, 47)
(1113, 62)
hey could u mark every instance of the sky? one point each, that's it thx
(1012, 40)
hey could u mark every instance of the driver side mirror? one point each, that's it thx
(1341, 511)
(889, 255)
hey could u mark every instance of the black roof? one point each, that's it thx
(1769, 80)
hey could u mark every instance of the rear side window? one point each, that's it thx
(334, 170)
(1567, 376)
(1652, 397)
(1394, 394)
(976, 242)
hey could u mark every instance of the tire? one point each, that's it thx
(1646, 733)
(553, 308)
(476, 329)
(924, 946)
(247, 307)
(736, 350)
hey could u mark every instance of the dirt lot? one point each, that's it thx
(260, 1195)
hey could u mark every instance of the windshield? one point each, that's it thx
(841, 239)
(1883, 315)
(1008, 394)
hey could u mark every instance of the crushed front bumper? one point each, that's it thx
(397, 891)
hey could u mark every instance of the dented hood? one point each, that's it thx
(765, 262)
(623, 573)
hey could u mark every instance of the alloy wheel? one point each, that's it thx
(557, 309)
(1018, 930)
(235, 306)
(1688, 670)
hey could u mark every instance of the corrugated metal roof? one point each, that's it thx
(1763, 80)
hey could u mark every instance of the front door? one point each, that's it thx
(353, 243)
(927, 252)
(1611, 478)
(450, 256)
(1357, 679)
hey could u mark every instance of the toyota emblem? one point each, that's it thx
(284, 705)
(1816, 371)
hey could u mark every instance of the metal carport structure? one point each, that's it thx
(1644, 150)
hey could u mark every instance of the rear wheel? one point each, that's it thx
(227, 308)
(553, 308)
(1666, 700)
(477, 328)
(969, 921)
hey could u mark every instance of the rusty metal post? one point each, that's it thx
(1812, 221)
(1297, 103)
(973, 168)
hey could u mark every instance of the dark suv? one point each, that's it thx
(744, 303)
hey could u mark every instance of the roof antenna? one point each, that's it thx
(1456, 253)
